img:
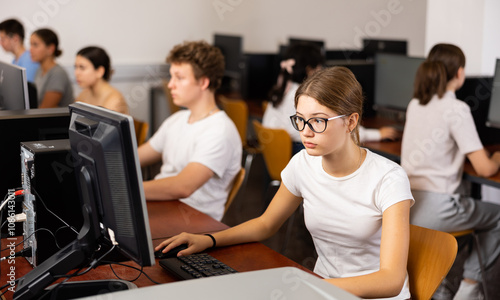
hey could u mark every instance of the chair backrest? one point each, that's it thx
(430, 257)
(237, 181)
(237, 110)
(141, 131)
(276, 146)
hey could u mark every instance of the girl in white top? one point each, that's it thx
(300, 60)
(356, 203)
(439, 134)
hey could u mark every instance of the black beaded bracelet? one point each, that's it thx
(213, 239)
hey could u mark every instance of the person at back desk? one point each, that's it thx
(303, 60)
(439, 134)
(200, 146)
(52, 82)
(361, 235)
(12, 39)
(92, 73)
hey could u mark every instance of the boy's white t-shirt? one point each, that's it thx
(344, 215)
(213, 142)
(436, 139)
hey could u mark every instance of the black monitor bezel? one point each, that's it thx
(495, 92)
(20, 75)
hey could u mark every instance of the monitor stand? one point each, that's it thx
(78, 289)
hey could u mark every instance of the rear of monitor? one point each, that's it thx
(493, 119)
(13, 87)
(231, 47)
(394, 78)
(373, 46)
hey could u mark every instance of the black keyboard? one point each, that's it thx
(195, 266)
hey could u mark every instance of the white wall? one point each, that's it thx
(491, 39)
(138, 34)
(143, 32)
(473, 25)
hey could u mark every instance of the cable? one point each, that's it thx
(45, 206)
(29, 237)
(10, 196)
(7, 285)
(135, 268)
(21, 253)
(129, 280)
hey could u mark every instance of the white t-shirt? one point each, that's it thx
(279, 117)
(344, 215)
(213, 142)
(368, 134)
(436, 139)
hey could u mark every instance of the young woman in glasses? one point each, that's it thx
(356, 203)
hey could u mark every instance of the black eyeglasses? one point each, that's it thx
(316, 124)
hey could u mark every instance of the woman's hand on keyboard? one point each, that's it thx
(195, 243)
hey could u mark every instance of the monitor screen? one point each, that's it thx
(232, 49)
(109, 181)
(394, 77)
(493, 119)
(13, 87)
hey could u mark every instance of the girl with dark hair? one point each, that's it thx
(301, 60)
(92, 73)
(361, 235)
(54, 88)
(439, 134)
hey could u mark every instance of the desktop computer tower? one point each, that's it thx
(18, 126)
(51, 202)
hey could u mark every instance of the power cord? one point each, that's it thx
(26, 252)
(46, 208)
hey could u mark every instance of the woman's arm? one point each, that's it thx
(483, 164)
(281, 207)
(389, 280)
(51, 99)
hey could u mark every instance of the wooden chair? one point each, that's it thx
(430, 257)
(475, 240)
(237, 110)
(238, 180)
(276, 147)
(141, 131)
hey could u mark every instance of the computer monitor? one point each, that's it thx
(394, 78)
(13, 87)
(232, 49)
(374, 46)
(493, 119)
(319, 43)
(109, 181)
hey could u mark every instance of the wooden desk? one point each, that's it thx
(167, 219)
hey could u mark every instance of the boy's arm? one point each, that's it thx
(191, 178)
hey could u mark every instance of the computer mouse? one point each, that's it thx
(172, 253)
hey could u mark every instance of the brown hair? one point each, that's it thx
(49, 37)
(205, 59)
(450, 56)
(429, 81)
(337, 89)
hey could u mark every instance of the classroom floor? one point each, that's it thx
(249, 204)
